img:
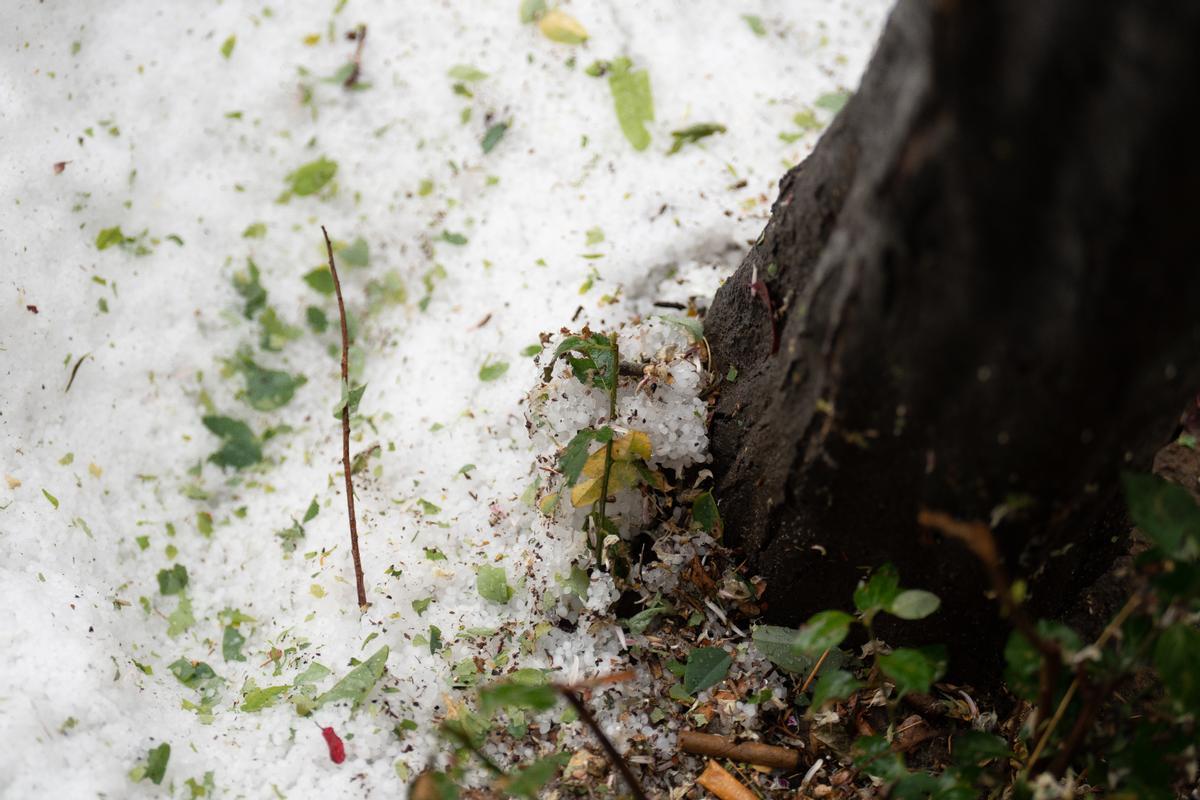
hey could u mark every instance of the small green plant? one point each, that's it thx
(1121, 711)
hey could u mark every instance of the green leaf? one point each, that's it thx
(877, 593)
(640, 621)
(632, 99)
(508, 694)
(181, 618)
(706, 515)
(834, 684)
(1164, 511)
(312, 177)
(973, 748)
(434, 553)
(191, 674)
(111, 236)
(874, 756)
(247, 284)
(1024, 661)
(258, 699)
(255, 230)
(914, 604)
(231, 644)
(456, 239)
(204, 523)
(912, 670)
(529, 781)
(823, 631)
(531, 10)
(268, 389)
(173, 580)
(275, 332)
(320, 280)
(1176, 655)
(50, 498)
(492, 583)
(692, 326)
(693, 134)
(313, 510)
(435, 639)
(228, 45)
(466, 72)
(575, 454)
(832, 101)
(357, 254)
(352, 398)
(239, 446)
(156, 763)
(313, 673)
(422, 605)
(756, 24)
(490, 372)
(358, 681)
(706, 667)
(493, 135)
(776, 644)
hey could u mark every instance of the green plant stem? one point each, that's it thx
(358, 570)
(608, 450)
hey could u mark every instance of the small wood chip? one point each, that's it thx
(717, 780)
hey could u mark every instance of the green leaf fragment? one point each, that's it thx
(320, 280)
(706, 516)
(633, 101)
(228, 45)
(493, 135)
(349, 400)
(492, 584)
(231, 644)
(312, 177)
(50, 498)
(258, 699)
(156, 763)
(357, 254)
(706, 667)
(492, 371)
(832, 101)
(358, 682)
(239, 446)
(756, 24)
(693, 134)
(466, 72)
(173, 580)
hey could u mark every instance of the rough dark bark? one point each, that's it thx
(986, 285)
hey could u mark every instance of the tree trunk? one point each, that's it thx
(986, 290)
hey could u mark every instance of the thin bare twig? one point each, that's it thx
(614, 757)
(816, 668)
(337, 287)
(360, 33)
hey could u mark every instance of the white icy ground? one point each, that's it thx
(138, 99)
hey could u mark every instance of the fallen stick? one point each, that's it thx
(717, 780)
(763, 755)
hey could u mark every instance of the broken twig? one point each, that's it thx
(757, 753)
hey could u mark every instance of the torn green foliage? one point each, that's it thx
(632, 100)
(357, 683)
(693, 134)
(240, 448)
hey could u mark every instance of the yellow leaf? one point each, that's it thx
(594, 466)
(312, 39)
(548, 503)
(560, 26)
(634, 444)
(586, 492)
